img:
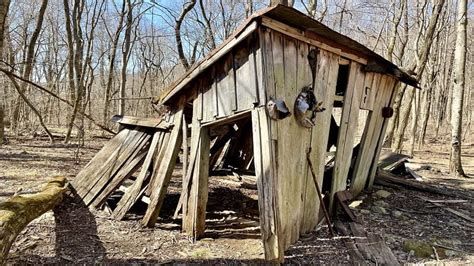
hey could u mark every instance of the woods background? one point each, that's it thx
(68, 66)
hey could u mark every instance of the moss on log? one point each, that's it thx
(18, 211)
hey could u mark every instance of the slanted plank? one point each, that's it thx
(389, 101)
(162, 147)
(109, 167)
(369, 137)
(347, 129)
(195, 136)
(97, 162)
(166, 166)
(115, 164)
(131, 196)
(125, 172)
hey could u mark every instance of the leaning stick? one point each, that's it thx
(326, 215)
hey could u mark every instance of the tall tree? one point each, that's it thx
(125, 56)
(177, 30)
(418, 67)
(4, 6)
(458, 89)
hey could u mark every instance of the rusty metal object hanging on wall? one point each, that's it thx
(306, 105)
(277, 109)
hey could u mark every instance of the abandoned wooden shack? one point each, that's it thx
(289, 91)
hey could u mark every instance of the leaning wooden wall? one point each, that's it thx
(287, 197)
(232, 84)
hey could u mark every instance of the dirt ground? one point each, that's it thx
(72, 233)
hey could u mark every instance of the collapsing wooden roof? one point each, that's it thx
(310, 28)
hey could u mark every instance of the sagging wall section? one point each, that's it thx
(272, 65)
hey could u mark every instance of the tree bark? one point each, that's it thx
(177, 31)
(28, 64)
(110, 74)
(418, 67)
(458, 89)
(17, 212)
(125, 56)
(4, 6)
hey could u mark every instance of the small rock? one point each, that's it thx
(397, 214)
(450, 253)
(379, 209)
(355, 204)
(361, 197)
(381, 203)
(419, 248)
(364, 211)
(383, 194)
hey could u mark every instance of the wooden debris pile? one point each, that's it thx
(148, 145)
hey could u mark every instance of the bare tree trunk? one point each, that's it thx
(4, 6)
(110, 75)
(177, 31)
(248, 8)
(28, 64)
(394, 32)
(125, 56)
(418, 67)
(32, 107)
(458, 89)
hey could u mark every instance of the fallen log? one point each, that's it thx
(385, 177)
(18, 211)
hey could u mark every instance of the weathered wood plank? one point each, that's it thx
(264, 170)
(347, 128)
(135, 140)
(367, 149)
(291, 165)
(97, 162)
(195, 136)
(109, 173)
(195, 221)
(131, 196)
(389, 102)
(226, 94)
(325, 89)
(130, 167)
(156, 123)
(166, 166)
(245, 76)
(230, 43)
(299, 35)
(368, 93)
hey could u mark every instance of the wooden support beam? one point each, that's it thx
(194, 219)
(267, 192)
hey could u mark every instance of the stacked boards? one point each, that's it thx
(149, 146)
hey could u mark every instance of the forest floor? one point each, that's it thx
(72, 233)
